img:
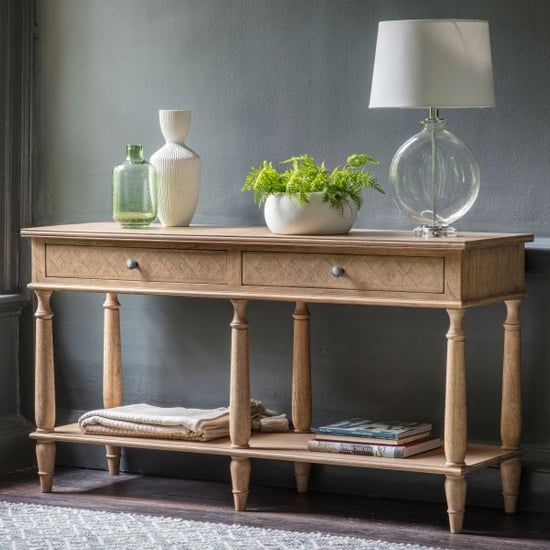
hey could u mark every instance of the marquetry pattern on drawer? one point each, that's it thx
(163, 265)
(423, 274)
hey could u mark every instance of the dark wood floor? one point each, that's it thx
(396, 521)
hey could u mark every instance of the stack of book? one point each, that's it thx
(359, 436)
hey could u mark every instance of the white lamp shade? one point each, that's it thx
(432, 63)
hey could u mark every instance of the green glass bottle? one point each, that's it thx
(134, 190)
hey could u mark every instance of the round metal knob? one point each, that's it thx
(131, 264)
(337, 271)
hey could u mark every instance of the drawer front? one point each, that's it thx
(169, 265)
(422, 274)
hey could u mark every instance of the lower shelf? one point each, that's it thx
(290, 447)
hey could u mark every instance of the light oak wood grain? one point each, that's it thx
(301, 387)
(112, 370)
(379, 267)
(455, 427)
(390, 268)
(292, 447)
(239, 404)
(107, 262)
(455, 492)
(45, 457)
(301, 370)
(510, 423)
(44, 384)
(510, 472)
(510, 418)
(422, 274)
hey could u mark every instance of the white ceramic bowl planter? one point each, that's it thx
(285, 215)
(307, 198)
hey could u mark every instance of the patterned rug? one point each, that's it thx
(37, 527)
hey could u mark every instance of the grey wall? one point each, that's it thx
(16, 47)
(268, 80)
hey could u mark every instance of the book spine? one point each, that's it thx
(343, 447)
(357, 433)
(379, 434)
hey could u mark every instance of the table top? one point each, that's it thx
(262, 235)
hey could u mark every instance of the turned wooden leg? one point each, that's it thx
(45, 456)
(112, 373)
(301, 370)
(510, 417)
(44, 388)
(510, 474)
(301, 474)
(301, 387)
(455, 430)
(240, 480)
(455, 492)
(239, 403)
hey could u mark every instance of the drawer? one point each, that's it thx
(163, 265)
(422, 274)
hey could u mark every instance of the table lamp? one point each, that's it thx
(433, 64)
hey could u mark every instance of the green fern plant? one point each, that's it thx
(340, 186)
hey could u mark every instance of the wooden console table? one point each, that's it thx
(388, 268)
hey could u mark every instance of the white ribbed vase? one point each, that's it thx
(179, 170)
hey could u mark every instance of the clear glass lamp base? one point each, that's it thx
(429, 231)
(435, 179)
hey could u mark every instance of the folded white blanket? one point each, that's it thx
(143, 420)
